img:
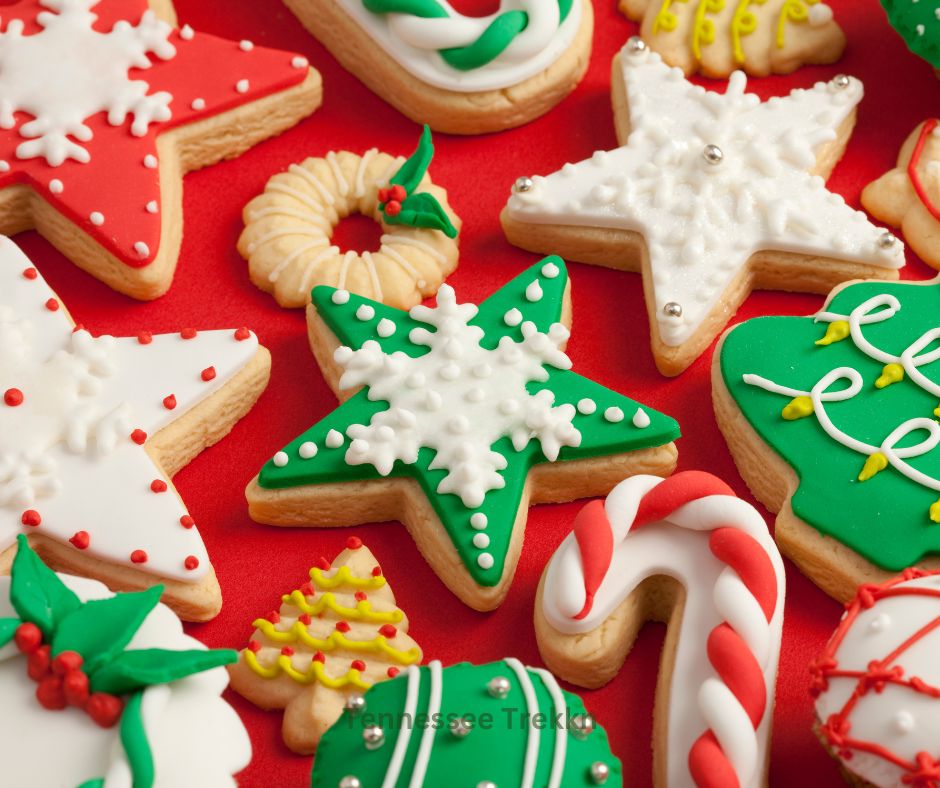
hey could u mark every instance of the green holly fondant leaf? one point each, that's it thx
(36, 592)
(134, 741)
(97, 782)
(101, 628)
(133, 670)
(413, 170)
(8, 627)
(423, 210)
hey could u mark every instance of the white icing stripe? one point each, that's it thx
(290, 191)
(404, 735)
(393, 167)
(361, 172)
(311, 269)
(309, 232)
(427, 737)
(341, 183)
(317, 243)
(344, 268)
(561, 734)
(280, 210)
(532, 732)
(313, 180)
(408, 267)
(373, 275)
(726, 717)
(416, 242)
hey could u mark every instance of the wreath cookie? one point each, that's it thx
(761, 37)
(92, 429)
(454, 420)
(287, 232)
(460, 74)
(112, 685)
(832, 422)
(908, 196)
(709, 196)
(686, 551)
(335, 636)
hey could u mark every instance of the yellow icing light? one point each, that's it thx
(665, 19)
(936, 411)
(892, 373)
(797, 408)
(337, 640)
(361, 612)
(935, 511)
(835, 332)
(792, 11)
(743, 23)
(703, 31)
(876, 462)
(315, 672)
(344, 576)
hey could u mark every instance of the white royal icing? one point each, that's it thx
(196, 738)
(458, 399)
(69, 71)
(413, 42)
(66, 451)
(703, 221)
(678, 548)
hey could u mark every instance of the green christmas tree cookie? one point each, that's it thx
(499, 724)
(918, 23)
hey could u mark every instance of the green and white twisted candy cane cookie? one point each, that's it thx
(521, 29)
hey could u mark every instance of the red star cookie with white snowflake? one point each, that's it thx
(91, 429)
(104, 105)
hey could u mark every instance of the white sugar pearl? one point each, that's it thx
(280, 459)
(365, 312)
(242, 86)
(307, 450)
(385, 328)
(513, 317)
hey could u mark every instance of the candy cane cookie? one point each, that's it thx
(288, 228)
(460, 74)
(685, 551)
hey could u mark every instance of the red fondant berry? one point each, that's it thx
(208, 374)
(66, 661)
(139, 557)
(39, 664)
(393, 208)
(30, 273)
(75, 687)
(319, 657)
(191, 563)
(52, 305)
(28, 637)
(187, 521)
(169, 402)
(31, 517)
(377, 571)
(358, 664)
(145, 337)
(387, 631)
(13, 397)
(287, 651)
(384, 195)
(304, 618)
(360, 596)
(80, 540)
(50, 693)
(139, 437)
(188, 333)
(241, 334)
(254, 645)
(398, 193)
(104, 709)
(392, 672)
(158, 486)
(354, 543)
(342, 626)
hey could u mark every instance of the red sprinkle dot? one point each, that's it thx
(145, 337)
(13, 397)
(304, 618)
(360, 596)
(52, 305)
(158, 486)
(322, 564)
(388, 631)
(342, 626)
(31, 517)
(80, 540)
(186, 521)
(254, 645)
(139, 437)
(191, 562)
(274, 617)
(241, 334)
(287, 651)
(169, 402)
(307, 589)
(139, 557)
(319, 657)
(392, 672)
(30, 273)
(358, 664)
(354, 543)
(188, 333)
(208, 374)
(377, 571)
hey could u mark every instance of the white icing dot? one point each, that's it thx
(550, 270)
(334, 439)
(475, 395)
(280, 459)
(459, 425)
(307, 450)
(513, 317)
(481, 540)
(508, 407)
(56, 186)
(613, 415)
(365, 312)
(152, 206)
(4, 165)
(641, 419)
(485, 560)
(242, 86)
(385, 328)
(879, 623)
(340, 297)
(299, 62)
(245, 45)
(482, 371)
(97, 218)
(478, 520)
(904, 721)
(187, 33)
(449, 371)
(198, 104)
(150, 161)
(587, 406)
(415, 381)
(143, 251)
(534, 291)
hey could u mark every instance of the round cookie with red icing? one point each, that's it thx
(106, 104)
(686, 551)
(875, 685)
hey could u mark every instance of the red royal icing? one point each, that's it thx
(392, 672)
(139, 437)
(387, 631)
(139, 557)
(307, 589)
(145, 337)
(376, 571)
(208, 374)
(241, 334)
(254, 645)
(342, 626)
(919, 188)
(360, 596)
(158, 486)
(187, 521)
(52, 305)
(80, 540)
(304, 618)
(322, 564)
(13, 397)
(169, 402)
(358, 664)
(188, 333)
(353, 543)
(319, 657)
(31, 517)
(191, 563)
(287, 651)
(30, 273)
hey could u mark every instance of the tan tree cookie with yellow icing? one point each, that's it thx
(333, 638)
(716, 37)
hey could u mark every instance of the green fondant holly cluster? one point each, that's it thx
(77, 653)
(918, 23)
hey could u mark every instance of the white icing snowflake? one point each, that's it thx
(68, 72)
(458, 399)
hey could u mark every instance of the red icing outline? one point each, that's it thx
(912, 173)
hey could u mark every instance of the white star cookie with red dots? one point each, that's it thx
(91, 429)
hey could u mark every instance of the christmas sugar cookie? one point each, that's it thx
(542, 734)
(710, 196)
(687, 552)
(832, 421)
(104, 690)
(908, 196)
(92, 429)
(875, 685)
(288, 228)
(459, 74)
(335, 636)
(919, 25)
(456, 418)
(761, 37)
(105, 105)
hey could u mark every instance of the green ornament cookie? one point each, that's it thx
(499, 724)
(456, 418)
(848, 400)
(918, 23)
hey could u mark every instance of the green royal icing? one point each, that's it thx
(886, 519)
(599, 437)
(498, 35)
(496, 754)
(918, 24)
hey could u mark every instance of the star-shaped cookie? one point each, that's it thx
(711, 195)
(454, 419)
(104, 105)
(91, 429)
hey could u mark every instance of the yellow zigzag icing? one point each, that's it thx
(361, 612)
(344, 577)
(337, 640)
(313, 673)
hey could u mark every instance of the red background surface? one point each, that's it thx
(255, 563)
